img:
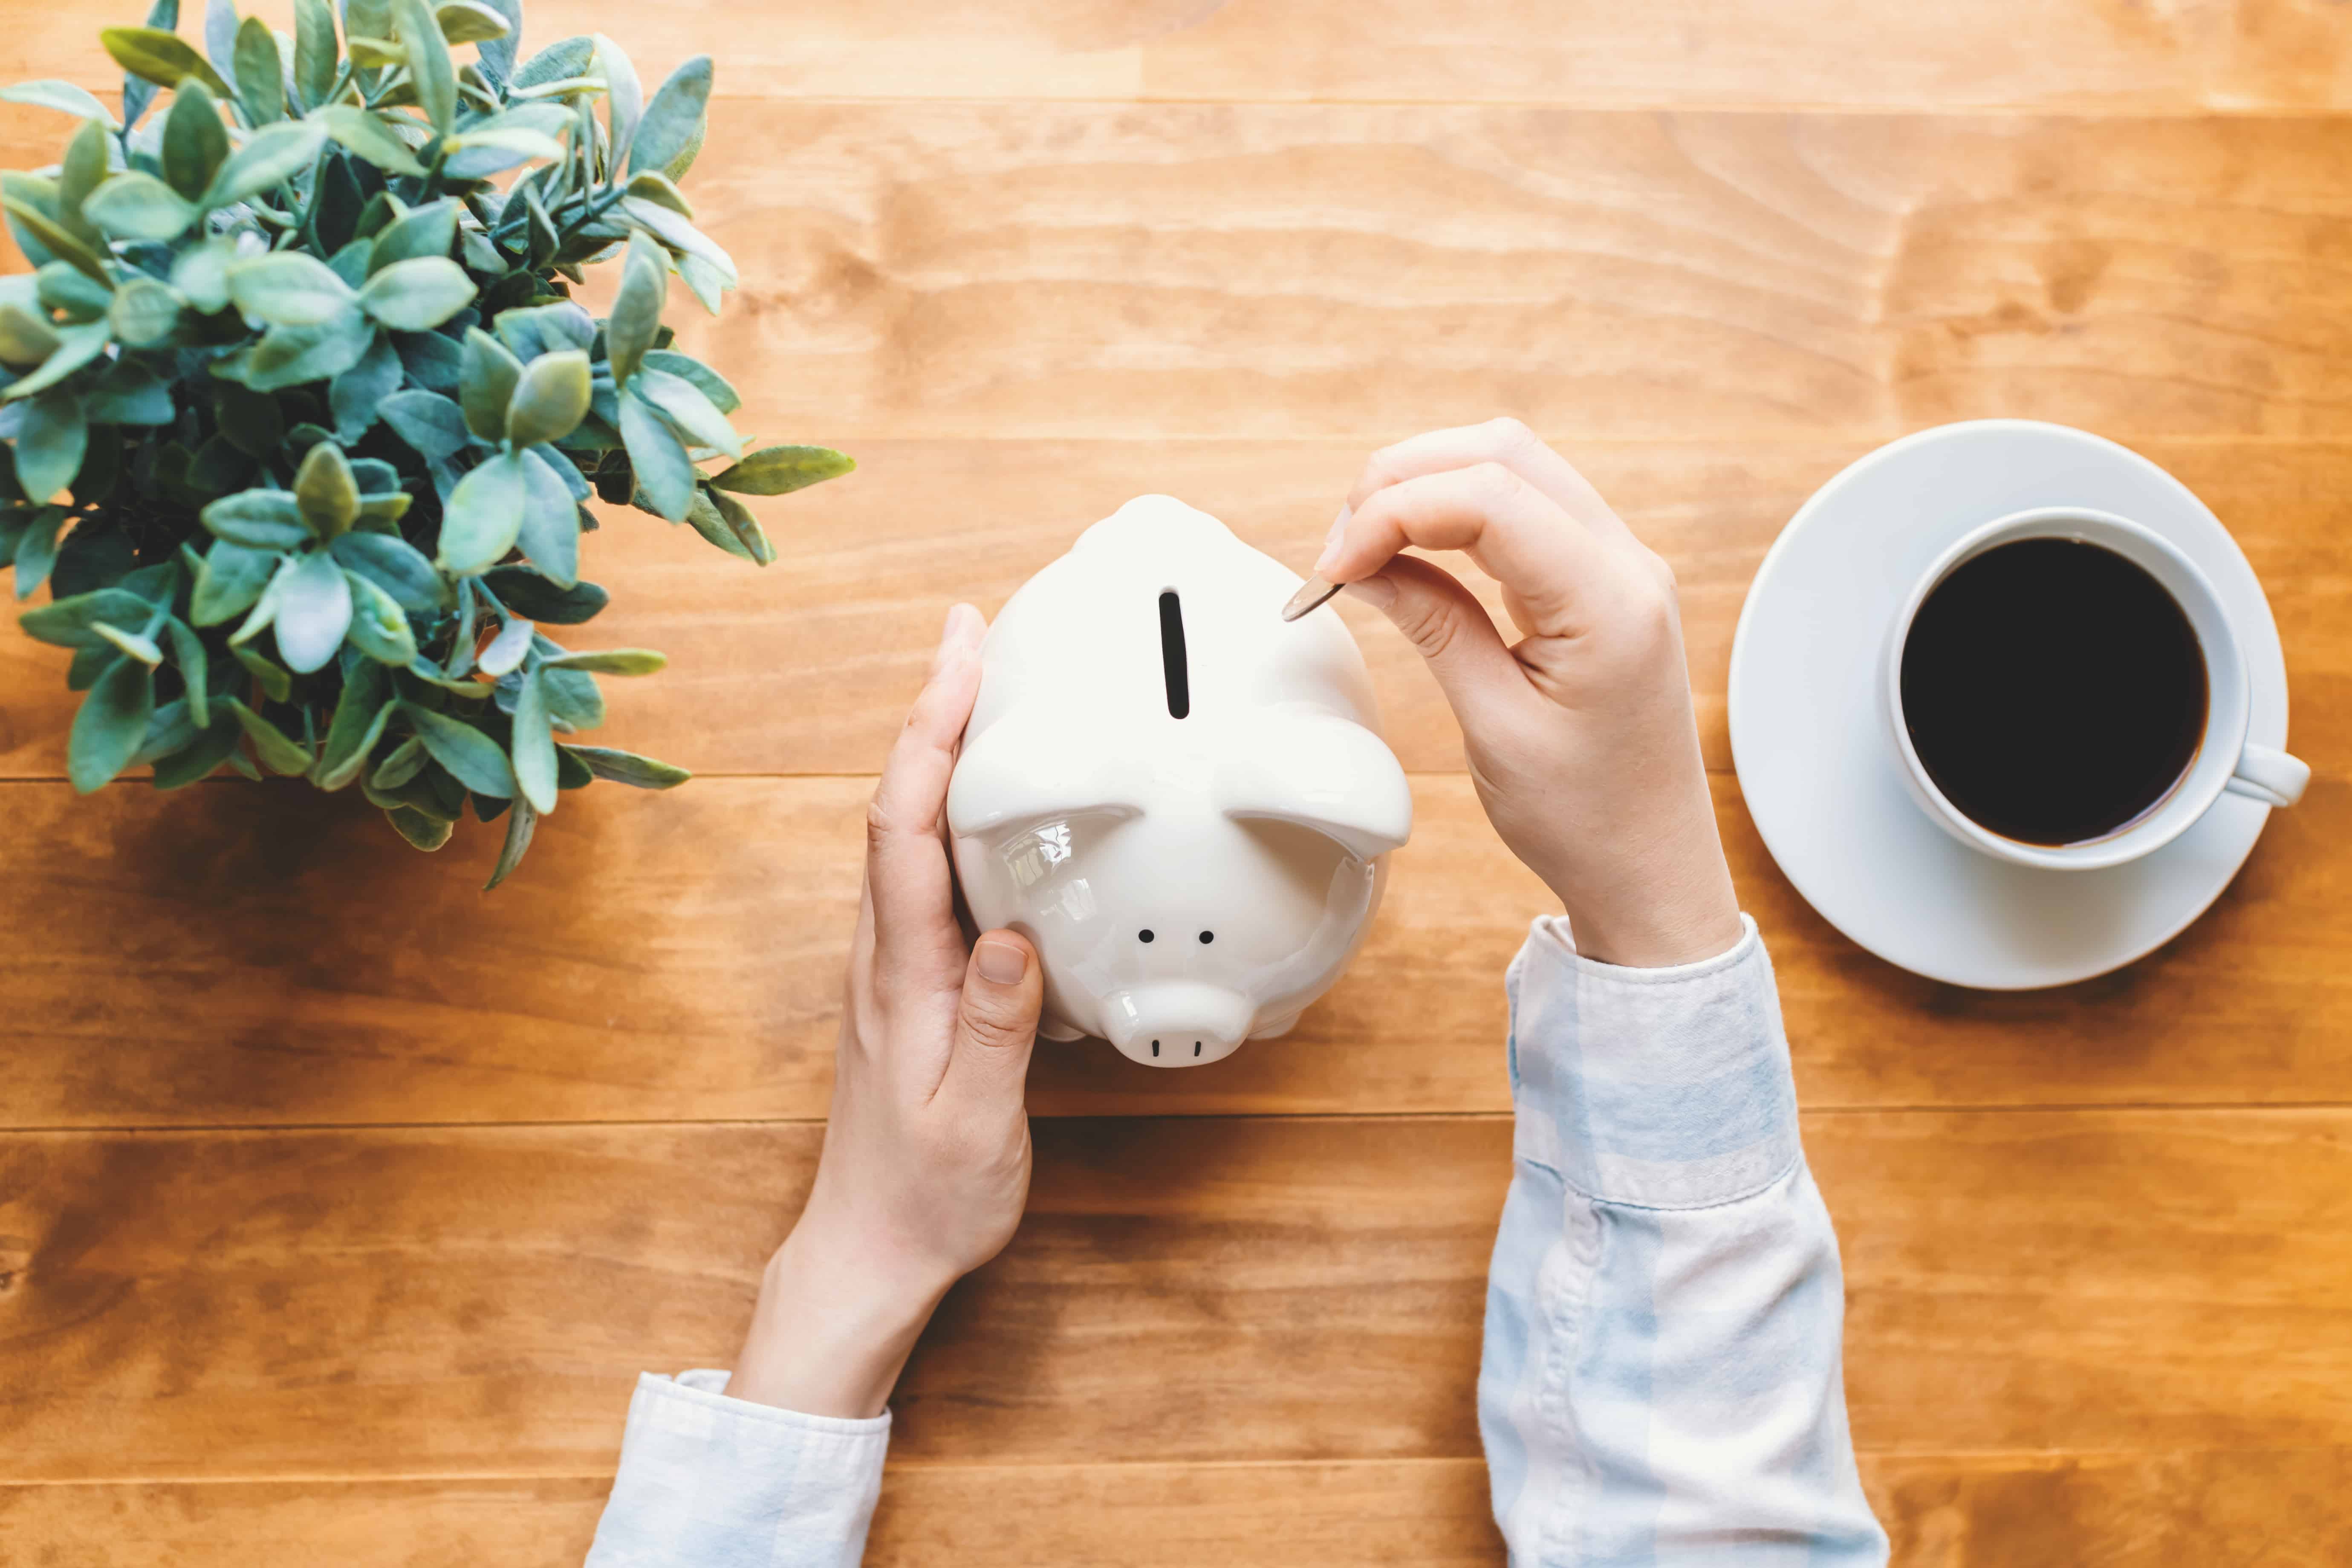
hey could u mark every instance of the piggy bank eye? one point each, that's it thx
(1207, 937)
(1143, 936)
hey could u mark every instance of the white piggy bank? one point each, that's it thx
(1184, 803)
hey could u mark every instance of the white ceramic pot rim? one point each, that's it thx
(2227, 702)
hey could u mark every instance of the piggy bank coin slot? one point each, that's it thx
(1172, 654)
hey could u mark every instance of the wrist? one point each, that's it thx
(1682, 910)
(833, 1325)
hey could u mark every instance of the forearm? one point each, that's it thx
(1662, 1377)
(833, 1325)
(779, 1466)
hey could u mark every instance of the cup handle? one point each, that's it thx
(2271, 778)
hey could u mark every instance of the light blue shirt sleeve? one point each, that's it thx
(1661, 1382)
(707, 1481)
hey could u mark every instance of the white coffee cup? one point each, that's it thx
(2225, 761)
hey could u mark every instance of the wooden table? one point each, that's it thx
(340, 1203)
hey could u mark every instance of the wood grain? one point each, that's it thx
(434, 1302)
(1987, 1511)
(1322, 270)
(679, 957)
(2234, 56)
(1274, 271)
(808, 667)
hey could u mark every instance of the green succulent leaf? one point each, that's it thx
(201, 272)
(36, 549)
(135, 205)
(465, 22)
(229, 581)
(290, 355)
(62, 95)
(50, 240)
(664, 474)
(550, 398)
(367, 136)
(260, 84)
(689, 413)
(380, 627)
(287, 289)
(610, 661)
(549, 535)
(111, 724)
(260, 519)
(626, 767)
(363, 711)
(473, 758)
(26, 336)
(419, 294)
(397, 567)
(195, 141)
(51, 439)
(566, 59)
(143, 313)
(358, 394)
(131, 645)
(157, 55)
(527, 592)
(430, 69)
(485, 383)
(483, 516)
(268, 674)
(779, 470)
(508, 649)
(72, 621)
(213, 746)
(673, 122)
(637, 308)
(279, 751)
(128, 394)
(314, 611)
(274, 156)
(707, 381)
(729, 524)
(325, 492)
(426, 231)
(624, 98)
(521, 824)
(315, 52)
(196, 668)
(534, 746)
(422, 831)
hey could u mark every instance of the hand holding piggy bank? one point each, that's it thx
(1183, 802)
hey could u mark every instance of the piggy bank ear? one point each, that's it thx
(1022, 771)
(1322, 773)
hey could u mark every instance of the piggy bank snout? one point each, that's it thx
(1177, 1023)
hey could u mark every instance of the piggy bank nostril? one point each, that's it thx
(1196, 1048)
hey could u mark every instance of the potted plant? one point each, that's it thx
(303, 417)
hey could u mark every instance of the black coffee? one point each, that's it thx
(2053, 690)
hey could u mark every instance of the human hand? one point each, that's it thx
(926, 1161)
(1581, 736)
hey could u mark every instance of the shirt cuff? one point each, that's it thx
(716, 1482)
(1654, 1087)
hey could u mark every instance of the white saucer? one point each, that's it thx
(1821, 778)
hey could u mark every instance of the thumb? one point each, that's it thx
(996, 1022)
(1445, 622)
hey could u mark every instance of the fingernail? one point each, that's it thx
(1001, 962)
(946, 639)
(1377, 591)
(1331, 556)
